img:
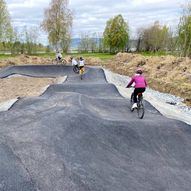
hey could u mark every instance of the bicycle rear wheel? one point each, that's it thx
(76, 69)
(140, 110)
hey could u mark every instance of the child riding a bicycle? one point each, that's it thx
(140, 85)
(81, 66)
(58, 56)
(73, 60)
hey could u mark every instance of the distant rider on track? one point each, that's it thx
(58, 56)
(74, 63)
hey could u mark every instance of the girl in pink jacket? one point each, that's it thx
(140, 85)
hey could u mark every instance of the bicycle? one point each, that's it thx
(60, 61)
(76, 69)
(140, 106)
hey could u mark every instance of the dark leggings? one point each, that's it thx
(136, 92)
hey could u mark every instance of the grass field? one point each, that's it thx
(5, 56)
(160, 53)
(103, 56)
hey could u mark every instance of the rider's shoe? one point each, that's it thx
(134, 106)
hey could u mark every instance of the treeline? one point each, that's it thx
(57, 23)
(23, 42)
(116, 38)
(155, 38)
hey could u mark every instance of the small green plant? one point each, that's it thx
(159, 53)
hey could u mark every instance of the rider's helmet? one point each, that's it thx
(139, 71)
(81, 58)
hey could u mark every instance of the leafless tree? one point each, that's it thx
(58, 23)
(6, 30)
(88, 42)
(154, 38)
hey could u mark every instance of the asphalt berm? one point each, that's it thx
(81, 136)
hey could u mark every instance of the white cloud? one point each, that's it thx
(92, 15)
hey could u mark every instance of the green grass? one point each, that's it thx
(103, 56)
(5, 56)
(45, 55)
(160, 53)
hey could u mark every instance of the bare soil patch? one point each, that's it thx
(14, 87)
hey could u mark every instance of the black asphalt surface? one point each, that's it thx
(81, 136)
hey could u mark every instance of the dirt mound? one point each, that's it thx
(24, 59)
(167, 74)
(94, 61)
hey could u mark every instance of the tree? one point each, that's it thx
(88, 42)
(154, 38)
(31, 36)
(184, 32)
(116, 34)
(6, 30)
(57, 23)
(84, 43)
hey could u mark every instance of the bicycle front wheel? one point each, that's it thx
(132, 98)
(140, 110)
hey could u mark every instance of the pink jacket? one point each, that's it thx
(139, 81)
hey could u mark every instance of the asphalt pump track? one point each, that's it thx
(81, 136)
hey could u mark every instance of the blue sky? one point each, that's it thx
(91, 15)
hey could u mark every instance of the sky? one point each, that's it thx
(90, 16)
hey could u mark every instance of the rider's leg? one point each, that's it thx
(81, 70)
(136, 92)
